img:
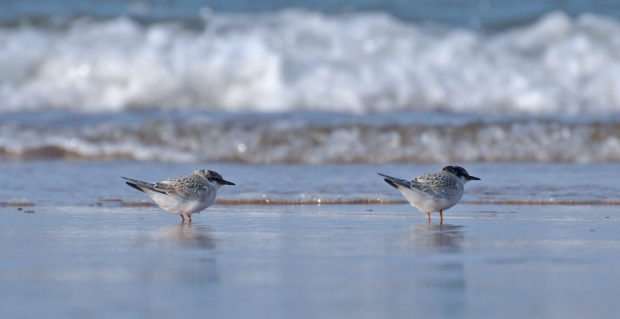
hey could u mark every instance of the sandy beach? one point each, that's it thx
(309, 261)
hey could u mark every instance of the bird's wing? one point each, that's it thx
(186, 187)
(167, 187)
(436, 183)
(424, 181)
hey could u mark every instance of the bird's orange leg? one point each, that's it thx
(429, 216)
(182, 219)
(440, 217)
(190, 218)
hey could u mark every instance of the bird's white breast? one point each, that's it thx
(433, 202)
(177, 205)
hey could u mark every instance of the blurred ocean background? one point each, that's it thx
(311, 81)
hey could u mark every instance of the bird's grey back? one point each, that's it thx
(440, 183)
(188, 187)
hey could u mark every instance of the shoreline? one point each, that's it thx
(319, 202)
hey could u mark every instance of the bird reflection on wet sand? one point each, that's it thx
(179, 253)
(442, 237)
(188, 235)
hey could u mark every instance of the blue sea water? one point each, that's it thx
(316, 82)
(481, 14)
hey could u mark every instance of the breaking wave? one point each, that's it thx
(309, 138)
(297, 60)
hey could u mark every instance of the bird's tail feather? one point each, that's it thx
(139, 185)
(395, 182)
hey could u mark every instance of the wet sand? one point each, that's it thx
(329, 261)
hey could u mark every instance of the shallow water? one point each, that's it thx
(334, 261)
(91, 183)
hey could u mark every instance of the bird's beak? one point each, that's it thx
(472, 178)
(225, 182)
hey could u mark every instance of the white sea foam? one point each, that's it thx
(310, 139)
(300, 60)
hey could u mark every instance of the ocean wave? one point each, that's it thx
(310, 139)
(297, 60)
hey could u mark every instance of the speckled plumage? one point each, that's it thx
(433, 192)
(188, 187)
(183, 195)
(436, 184)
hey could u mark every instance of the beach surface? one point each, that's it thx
(311, 261)
(306, 241)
